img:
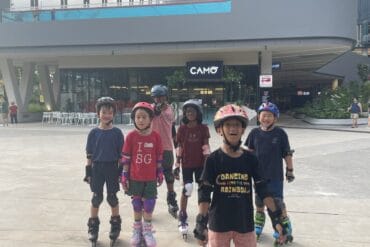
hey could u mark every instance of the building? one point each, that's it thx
(81, 50)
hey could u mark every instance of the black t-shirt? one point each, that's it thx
(231, 207)
(269, 147)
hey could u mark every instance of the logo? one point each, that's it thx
(204, 70)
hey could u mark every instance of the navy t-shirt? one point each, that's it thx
(231, 208)
(105, 145)
(270, 147)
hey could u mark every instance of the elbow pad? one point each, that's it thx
(204, 193)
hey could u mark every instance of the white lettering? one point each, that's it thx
(204, 70)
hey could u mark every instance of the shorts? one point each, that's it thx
(216, 239)
(275, 188)
(147, 189)
(167, 166)
(104, 172)
(187, 174)
(354, 115)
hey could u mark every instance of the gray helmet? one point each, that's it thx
(159, 90)
(105, 101)
(197, 106)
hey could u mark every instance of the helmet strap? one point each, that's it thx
(234, 148)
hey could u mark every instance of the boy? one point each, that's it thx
(271, 145)
(103, 152)
(228, 174)
(162, 124)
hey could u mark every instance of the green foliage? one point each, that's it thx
(231, 78)
(177, 79)
(363, 71)
(36, 107)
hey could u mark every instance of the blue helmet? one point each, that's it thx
(159, 90)
(271, 107)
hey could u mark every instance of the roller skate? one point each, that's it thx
(115, 229)
(93, 230)
(287, 229)
(137, 236)
(148, 234)
(259, 223)
(183, 224)
(172, 203)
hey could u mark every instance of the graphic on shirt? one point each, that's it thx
(193, 137)
(233, 184)
(145, 158)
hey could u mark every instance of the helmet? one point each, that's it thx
(159, 90)
(230, 111)
(269, 107)
(143, 105)
(193, 103)
(105, 101)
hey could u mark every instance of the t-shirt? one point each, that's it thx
(13, 109)
(145, 152)
(162, 124)
(191, 140)
(355, 108)
(231, 207)
(105, 145)
(270, 147)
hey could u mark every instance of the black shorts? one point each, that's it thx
(104, 172)
(187, 174)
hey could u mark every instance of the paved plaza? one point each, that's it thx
(45, 203)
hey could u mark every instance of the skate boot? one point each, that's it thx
(172, 203)
(115, 229)
(148, 234)
(183, 224)
(287, 225)
(93, 230)
(259, 223)
(136, 238)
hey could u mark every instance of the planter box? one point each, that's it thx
(346, 121)
(26, 117)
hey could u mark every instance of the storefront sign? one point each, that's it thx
(265, 80)
(210, 70)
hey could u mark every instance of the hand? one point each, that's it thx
(201, 230)
(176, 172)
(160, 176)
(125, 181)
(88, 174)
(289, 175)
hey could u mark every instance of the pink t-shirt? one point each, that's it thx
(145, 152)
(163, 125)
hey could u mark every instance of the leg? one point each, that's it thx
(149, 205)
(171, 194)
(137, 204)
(216, 239)
(244, 239)
(259, 217)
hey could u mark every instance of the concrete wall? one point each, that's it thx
(249, 20)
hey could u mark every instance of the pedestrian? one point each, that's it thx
(192, 150)
(355, 109)
(225, 194)
(13, 112)
(103, 151)
(4, 111)
(368, 113)
(142, 171)
(271, 146)
(162, 124)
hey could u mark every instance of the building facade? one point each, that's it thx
(80, 52)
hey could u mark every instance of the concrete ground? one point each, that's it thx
(45, 203)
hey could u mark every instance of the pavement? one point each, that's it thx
(45, 203)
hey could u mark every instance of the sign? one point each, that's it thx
(204, 70)
(265, 80)
(276, 66)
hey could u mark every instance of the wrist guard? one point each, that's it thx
(88, 173)
(176, 172)
(157, 109)
(200, 227)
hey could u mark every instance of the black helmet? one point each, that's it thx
(197, 106)
(105, 101)
(159, 90)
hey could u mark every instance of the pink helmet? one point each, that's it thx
(230, 111)
(144, 105)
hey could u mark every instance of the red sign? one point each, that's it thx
(265, 80)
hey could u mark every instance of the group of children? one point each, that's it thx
(144, 159)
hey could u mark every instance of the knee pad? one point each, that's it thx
(188, 189)
(168, 175)
(149, 205)
(112, 200)
(137, 203)
(96, 200)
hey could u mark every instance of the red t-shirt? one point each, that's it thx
(13, 109)
(145, 152)
(191, 141)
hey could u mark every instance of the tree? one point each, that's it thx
(231, 77)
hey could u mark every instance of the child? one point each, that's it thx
(193, 148)
(162, 123)
(142, 171)
(103, 150)
(228, 174)
(271, 145)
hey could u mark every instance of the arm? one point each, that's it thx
(289, 171)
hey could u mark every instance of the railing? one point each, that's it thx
(128, 9)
